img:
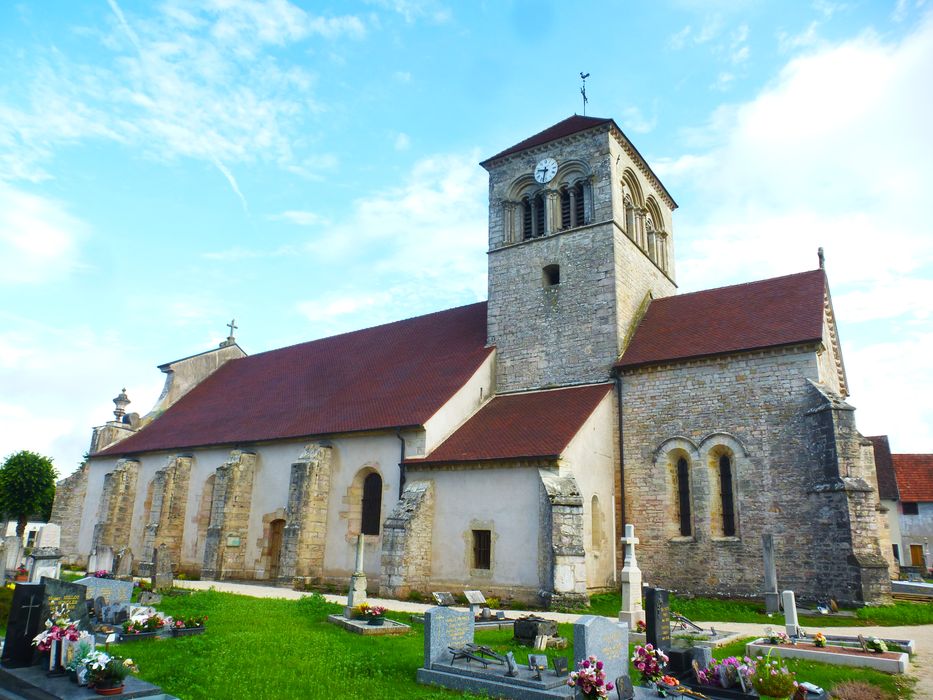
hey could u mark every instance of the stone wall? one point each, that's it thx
(753, 408)
(563, 511)
(117, 501)
(225, 544)
(166, 511)
(68, 510)
(306, 516)
(407, 542)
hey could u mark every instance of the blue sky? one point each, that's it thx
(312, 168)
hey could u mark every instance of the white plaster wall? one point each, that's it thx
(916, 529)
(463, 404)
(508, 500)
(894, 527)
(98, 468)
(591, 457)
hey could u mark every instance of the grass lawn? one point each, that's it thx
(715, 610)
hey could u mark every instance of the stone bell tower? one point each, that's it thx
(579, 241)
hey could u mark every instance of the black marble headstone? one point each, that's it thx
(24, 623)
(658, 618)
(70, 598)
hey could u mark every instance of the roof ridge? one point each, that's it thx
(737, 284)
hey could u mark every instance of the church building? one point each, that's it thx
(503, 445)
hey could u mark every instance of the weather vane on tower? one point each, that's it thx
(583, 77)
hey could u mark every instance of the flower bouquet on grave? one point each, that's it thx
(102, 573)
(819, 640)
(649, 662)
(149, 624)
(184, 626)
(590, 679)
(373, 614)
(776, 637)
(728, 673)
(641, 627)
(772, 678)
(57, 629)
(106, 673)
(876, 645)
(22, 573)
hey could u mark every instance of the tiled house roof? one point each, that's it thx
(768, 313)
(394, 375)
(537, 424)
(914, 477)
(884, 468)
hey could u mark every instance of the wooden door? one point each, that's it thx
(916, 555)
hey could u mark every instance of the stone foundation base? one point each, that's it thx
(387, 628)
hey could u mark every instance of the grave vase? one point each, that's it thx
(376, 621)
(113, 690)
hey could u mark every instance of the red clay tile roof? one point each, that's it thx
(568, 126)
(767, 313)
(914, 477)
(398, 374)
(887, 481)
(538, 424)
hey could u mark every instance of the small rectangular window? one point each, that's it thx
(910, 509)
(897, 553)
(482, 549)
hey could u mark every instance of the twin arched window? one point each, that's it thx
(722, 466)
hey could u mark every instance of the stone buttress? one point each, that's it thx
(407, 542)
(166, 511)
(563, 518)
(117, 499)
(224, 550)
(305, 534)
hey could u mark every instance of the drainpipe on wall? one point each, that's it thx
(401, 462)
(618, 379)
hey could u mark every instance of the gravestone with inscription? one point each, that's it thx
(604, 639)
(112, 590)
(67, 599)
(445, 627)
(12, 552)
(24, 623)
(658, 614)
(772, 597)
(123, 563)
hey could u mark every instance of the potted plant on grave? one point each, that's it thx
(876, 645)
(185, 626)
(819, 640)
(148, 626)
(373, 614)
(75, 666)
(22, 573)
(590, 679)
(772, 678)
(106, 673)
(649, 662)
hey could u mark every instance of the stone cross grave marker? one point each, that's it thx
(445, 627)
(772, 597)
(604, 639)
(791, 627)
(357, 591)
(444, 598)
(112, 590)
(162, 569)
(658, 624)
(69, 598)
(24, 623)
(631, 611)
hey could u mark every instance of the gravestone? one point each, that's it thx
(50, 535)
(604, 639)
(772, 597)
(24, 623)
(624, 688)
(101, 559)
(115, 614)
(560, 665)
(149, 598)
(112, 590)
(444, 598)
(526, 629)
(474, 598)
(511, 665)
(631, 611)
(44, 562)
(791, 626)
(68, 599)
(357, 591)
(444, 627)
(12, 552)
(162, 569)
(123, 565)
(658, 623)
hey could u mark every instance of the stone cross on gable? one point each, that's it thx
(630, 541)
(232, 326)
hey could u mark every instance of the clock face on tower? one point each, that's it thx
(545, 170)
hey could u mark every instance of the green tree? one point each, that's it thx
(27, 487)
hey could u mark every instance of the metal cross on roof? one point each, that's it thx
(232, 326)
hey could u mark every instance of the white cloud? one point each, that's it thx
(38, 237)
(834, 153)
(402, 142)
(633, 121)
(299, 217)
(791, 42)
(679, 39)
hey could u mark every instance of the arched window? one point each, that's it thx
(533, 208)
(526, 218)
(683, 497)
(728, 502)
(649, 233)
(372, 504)
(629, 218)
(572, 206)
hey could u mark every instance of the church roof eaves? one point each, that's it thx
(769, 313)
(396, 374)
(167, 365)
(520, 426)
(914, 477)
